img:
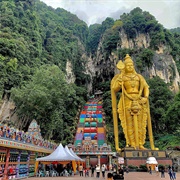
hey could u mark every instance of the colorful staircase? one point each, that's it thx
(90, 140)
(91, 126)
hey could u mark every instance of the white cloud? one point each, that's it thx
(93, 11)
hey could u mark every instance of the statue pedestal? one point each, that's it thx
(139, 157)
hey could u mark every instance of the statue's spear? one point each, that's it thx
(120, 66)
(114, 112)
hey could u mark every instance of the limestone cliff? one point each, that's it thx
(101, 68)
(7, 111)
(70, 77)
(163, 64)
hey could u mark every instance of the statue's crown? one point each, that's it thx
(128, 59)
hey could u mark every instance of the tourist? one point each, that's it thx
(103, 169)
(109, 176)
(127, 169)
(173, 172)
(92, 170)
(150, 170)
(162, 172)
(157, 170)
(110, 167)
(97, 171)
(81, 170)
(170, 172)
(121, 172)
(86, 172)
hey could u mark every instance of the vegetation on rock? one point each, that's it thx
(36, 41)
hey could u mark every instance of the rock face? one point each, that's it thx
(90, 70)
(101, 68)
(70, 77)
(7, 111)
(163, 64)
(141, 41)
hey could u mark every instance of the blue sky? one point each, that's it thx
(166, 12)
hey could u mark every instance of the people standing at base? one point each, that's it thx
(157, 170)
(98, 171)
(173, 172)
(81, 170)
(114, 168)
(170, 172)
(150, 170)
(127, 169)
(92, 170)
(162, 172)
(121, 172)
(110, 167)
(103, 169)
(86, 172)
(109, 176)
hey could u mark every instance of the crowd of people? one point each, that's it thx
(115, 172)
(170, 170)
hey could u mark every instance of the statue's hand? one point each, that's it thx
(119, 80)
(143, 100)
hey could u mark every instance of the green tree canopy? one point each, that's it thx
(173, 115)
(48, 99)
(160, 99)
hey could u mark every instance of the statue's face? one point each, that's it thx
(129, 67)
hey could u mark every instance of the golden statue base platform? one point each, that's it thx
(139, 157)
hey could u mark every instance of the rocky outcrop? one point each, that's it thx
(141, 41)
(70, 77)
(90, 70)
(7, 111)
(163, 64)
(101, 68)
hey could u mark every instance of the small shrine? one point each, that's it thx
(19, 150)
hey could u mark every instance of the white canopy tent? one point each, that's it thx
(60, 155)
(72, 152)
(151, 162)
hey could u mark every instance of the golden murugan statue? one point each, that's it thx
(133, 107)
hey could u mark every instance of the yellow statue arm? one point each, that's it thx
(146, 92)
(146, 89)
(115, 83)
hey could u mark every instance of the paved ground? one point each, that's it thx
(129, 176)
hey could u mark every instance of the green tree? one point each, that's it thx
(117, 24)
(48, 99)
(95, 32)
(110, 40)
(144, 59)
(108, 23)
(173, 115)
(160, 99)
